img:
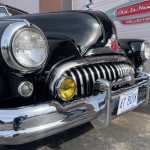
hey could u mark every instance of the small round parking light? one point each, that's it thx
(25, 89)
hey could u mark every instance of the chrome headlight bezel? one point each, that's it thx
(58, 85)
(145, 47)
(6, 45)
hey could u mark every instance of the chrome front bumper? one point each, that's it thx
(22, 125)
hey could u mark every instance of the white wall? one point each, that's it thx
(141, 31)
(30, 6)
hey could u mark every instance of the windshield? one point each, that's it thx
(3, 12)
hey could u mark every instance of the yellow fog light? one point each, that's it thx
(66, 88)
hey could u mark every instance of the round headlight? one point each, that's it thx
(66, 88)
(24, 46)
(29, 48)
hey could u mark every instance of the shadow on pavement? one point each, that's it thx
(54, 141)
(145, 110)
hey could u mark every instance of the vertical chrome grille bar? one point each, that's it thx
(103, 71)
(92, 79)
(93, 76)
(116, 71)
(120, 70)
(125, 70)
(97, 71)
(109, 74)
(87, 80)
(113, 72)
(75, 80)
(81, 81)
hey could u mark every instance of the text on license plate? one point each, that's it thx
(128, 100)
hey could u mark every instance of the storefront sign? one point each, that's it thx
(136, 20)
(139, 8)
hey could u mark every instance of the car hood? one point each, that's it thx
(84, 28)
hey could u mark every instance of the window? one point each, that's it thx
(14, 12)
(3, 12)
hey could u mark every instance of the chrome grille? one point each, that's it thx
(86, 75)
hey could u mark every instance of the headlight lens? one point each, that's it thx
(146, 48)
(29, 48)
(66, 88)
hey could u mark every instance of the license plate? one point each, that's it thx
(127, 101)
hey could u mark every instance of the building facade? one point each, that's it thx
(31, 6)
(132, 17)
(36, 6)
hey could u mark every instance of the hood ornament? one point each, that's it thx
(89, 4)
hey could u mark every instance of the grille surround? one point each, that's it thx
(55, 73)
(85, 76)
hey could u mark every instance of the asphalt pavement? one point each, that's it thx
(129, 132)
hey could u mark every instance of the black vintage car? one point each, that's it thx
(60, 70)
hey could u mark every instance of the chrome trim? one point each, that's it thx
(26, 124)
(114, 73)
(103, 71)
(103, 118)
(98, 73)
(109, 74)
(75, 80)
(144, 74)
(20, 86)
(122, 67)
(81, 81)
(54, 66)
(146, 48)
(120, 70)
(22, 125)
(113, 70)
(92, 74)
(87, 79)
(56, 72)
(6, 44)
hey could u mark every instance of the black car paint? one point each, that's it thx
(76, 26)
(69, 36)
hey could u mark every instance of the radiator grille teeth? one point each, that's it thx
(85, 76)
